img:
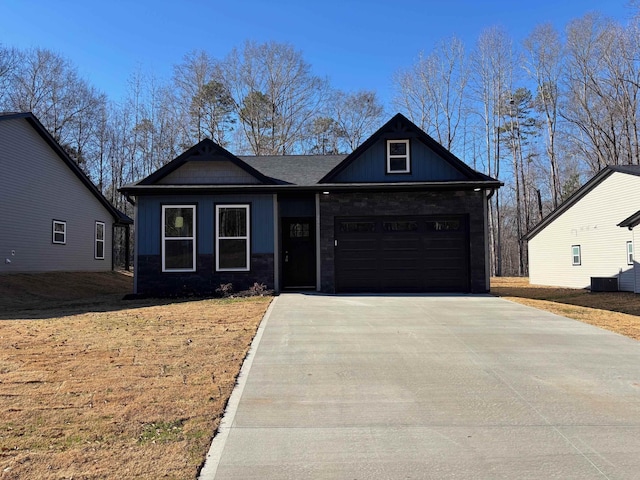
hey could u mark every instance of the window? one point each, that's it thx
(443, 225)
(400, 226)
(59, 232)
(99, 250)
(232, 237)
(398, 156)
(357, 227)
(299, 230)
(629, 253)
(178, 238)
(576, 256)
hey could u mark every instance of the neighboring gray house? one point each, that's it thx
(55, 218)
(399, 214)
(582, 238)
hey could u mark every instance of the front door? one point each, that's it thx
(298, 252)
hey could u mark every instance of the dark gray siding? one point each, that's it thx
(402, 204)
(426, 165)
(36, 187)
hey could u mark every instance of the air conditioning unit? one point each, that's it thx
(604, 284)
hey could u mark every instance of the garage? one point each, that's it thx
(402, 254)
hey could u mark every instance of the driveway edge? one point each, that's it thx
(212, 460)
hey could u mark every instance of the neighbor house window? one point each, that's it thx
(99, 251)
(398, 158)
(178, 238)
(629, 253)
(59, 232)
(576, 256)
(232, 237)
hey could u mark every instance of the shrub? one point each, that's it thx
(225, 289)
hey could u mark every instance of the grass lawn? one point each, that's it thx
(615, 311)
(93, 386)
(96, 387)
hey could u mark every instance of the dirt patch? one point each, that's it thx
(117, 389)
(31, 291)
(615, 311)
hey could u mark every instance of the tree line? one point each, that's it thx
(542, 115)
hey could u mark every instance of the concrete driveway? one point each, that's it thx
(413, 387)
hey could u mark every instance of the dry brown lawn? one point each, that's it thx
(615, 311)
(92, 386)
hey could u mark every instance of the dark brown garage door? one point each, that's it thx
(402, 254)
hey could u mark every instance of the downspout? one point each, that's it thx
(135, 249)
(318, 263)
(276, 245)
(487, 258)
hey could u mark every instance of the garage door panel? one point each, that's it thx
(412, 254)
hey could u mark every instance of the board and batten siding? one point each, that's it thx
(149, 235)
(426, 165)
(36, 187)
(591, 223)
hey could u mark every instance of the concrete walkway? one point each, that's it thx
(417, 387)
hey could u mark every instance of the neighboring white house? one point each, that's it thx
(55, 219)
(582, 238)
(631, 223)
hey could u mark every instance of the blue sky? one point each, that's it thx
(357, 44)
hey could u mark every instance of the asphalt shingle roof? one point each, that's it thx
(294, 169)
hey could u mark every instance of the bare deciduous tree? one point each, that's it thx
(432, 92)
(273, 88)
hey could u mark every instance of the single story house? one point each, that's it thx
(398, 214)
(56, 219)
(582, 238)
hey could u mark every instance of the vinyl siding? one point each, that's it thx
(636, 258)
(36, 187)
(592, 224)
(148, 231)
(209, 173)
(426, 165)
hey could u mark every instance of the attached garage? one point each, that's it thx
(402, 254)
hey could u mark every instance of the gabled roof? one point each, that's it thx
(580, 193)
(632, 221)
(400, 123)
(313, 173)
(118, 216)
(205, 150)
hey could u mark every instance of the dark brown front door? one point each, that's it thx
(298, 252)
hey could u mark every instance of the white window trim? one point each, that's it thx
(99, 240)
(407, 157)
(193, 238)
(573, 256)
(64, 232)
(629, 253)
(247, 237)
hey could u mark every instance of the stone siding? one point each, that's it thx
(204, 281)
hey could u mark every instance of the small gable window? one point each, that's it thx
(629, 253)
(59, 232)
(398, 157)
